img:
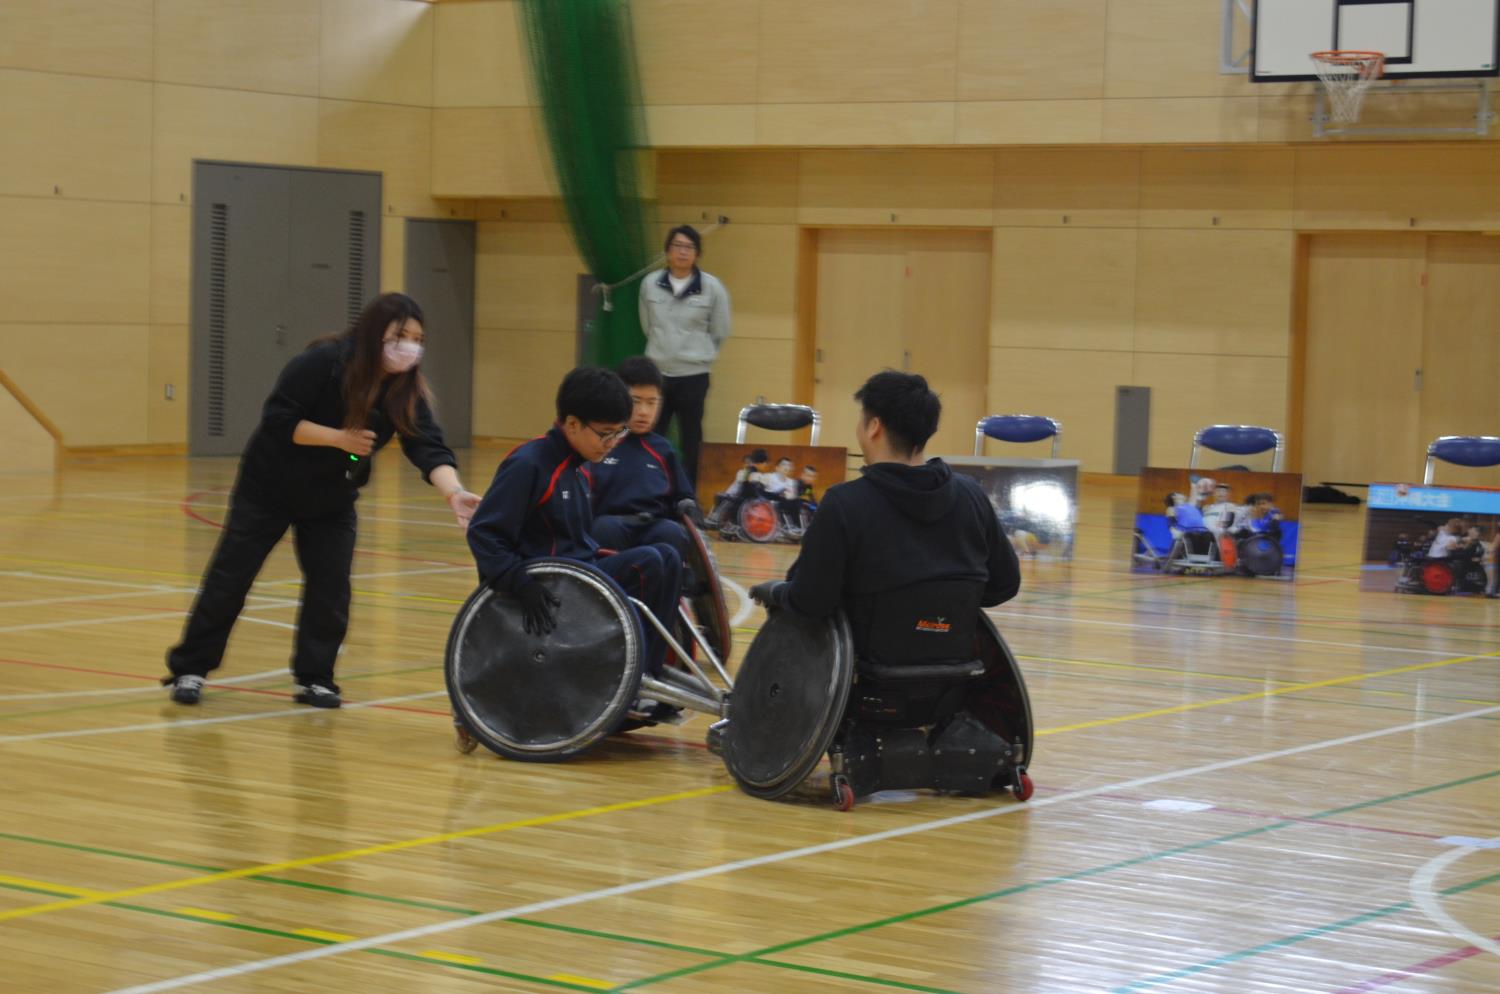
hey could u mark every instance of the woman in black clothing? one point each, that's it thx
(332, 408)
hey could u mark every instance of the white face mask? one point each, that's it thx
(401, 356)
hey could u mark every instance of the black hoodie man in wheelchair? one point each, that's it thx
(910, 550)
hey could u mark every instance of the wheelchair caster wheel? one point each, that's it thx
(843, 794)
(1021, 786)
(463, 741)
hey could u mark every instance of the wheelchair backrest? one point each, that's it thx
(928, 622)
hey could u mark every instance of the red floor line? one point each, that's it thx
(1415, 970)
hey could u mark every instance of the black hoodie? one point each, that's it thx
(896, 526)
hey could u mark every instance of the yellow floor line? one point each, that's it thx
(213, 916)
(48, 885)
(292, 864)
(318, 933)
(458, 958)
(569, 978)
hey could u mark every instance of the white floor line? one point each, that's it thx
(152, 688)
(688, 876)
(1216, 632)
(89, 598)
(190, 722)
(271, 604)
(86, 580)
(1425, 896)
(743, 611)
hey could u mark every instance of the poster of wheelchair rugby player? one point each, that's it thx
(765, 493)
(1217, 522)
(1037, 505)
(1433, 541)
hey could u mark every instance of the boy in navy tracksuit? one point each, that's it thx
(640, 488)
(538, 505)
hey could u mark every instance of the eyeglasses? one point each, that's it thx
(612, 436)
(688, 246)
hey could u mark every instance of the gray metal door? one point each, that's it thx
(440, 277)
(280, 256)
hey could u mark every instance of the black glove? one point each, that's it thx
(536, 608)
(688, 508)
(769, 595)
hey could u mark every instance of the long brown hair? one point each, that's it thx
(364, 371)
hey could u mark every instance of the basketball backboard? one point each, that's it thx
(1421, 39)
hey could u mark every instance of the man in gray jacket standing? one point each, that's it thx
(685, 315)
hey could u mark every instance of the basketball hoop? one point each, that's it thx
(1346, 76)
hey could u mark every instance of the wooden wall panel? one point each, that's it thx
(873, 124)
(1217, 187)
(516, 373)
(1461, 338)
(192, 122)
(1176, 120)
(1086, 187)
(526, 275)
(701, 125)
(167, 361)
(268, 45)
(90, 37)
(1214, 292)
(73, 262)
(1064, 288)
(751, 186)
(489, 152)
(853, 51)
(1030, 122)
(479, 56)
(758, 264)
(697, 51)
(875, 186)
(1166, 48)
(78, 136)
(171, 263)
(1076, 387)
(378, 51)
(386, 139)
(1023, 50)
(95, 397)
(1191, 391)
(1353, 187)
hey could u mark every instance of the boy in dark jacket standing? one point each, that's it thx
(538, 505)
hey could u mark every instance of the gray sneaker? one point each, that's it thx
(318, 696)
(187, 689)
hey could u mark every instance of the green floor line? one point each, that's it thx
(757, 954)
(1282, 943)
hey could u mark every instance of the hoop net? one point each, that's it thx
(1346, 76)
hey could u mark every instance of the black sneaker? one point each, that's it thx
(187, 689)
(318, 696)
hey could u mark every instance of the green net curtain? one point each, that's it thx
(583, 65)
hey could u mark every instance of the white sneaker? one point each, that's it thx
(187, 689)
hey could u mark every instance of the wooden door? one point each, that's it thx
(1461, 347)
(914, 300)
(1364, 347)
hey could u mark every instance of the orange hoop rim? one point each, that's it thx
(1349, 57)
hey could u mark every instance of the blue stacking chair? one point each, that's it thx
(1018, 428)
(778, 417)
(1239, 440)
(1463, 450)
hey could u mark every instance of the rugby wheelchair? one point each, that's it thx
(1017, 428)
(1460, 574)
(941, 704)
(754, 515)
(545, 698)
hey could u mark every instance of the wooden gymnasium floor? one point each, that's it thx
(1243, 786)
